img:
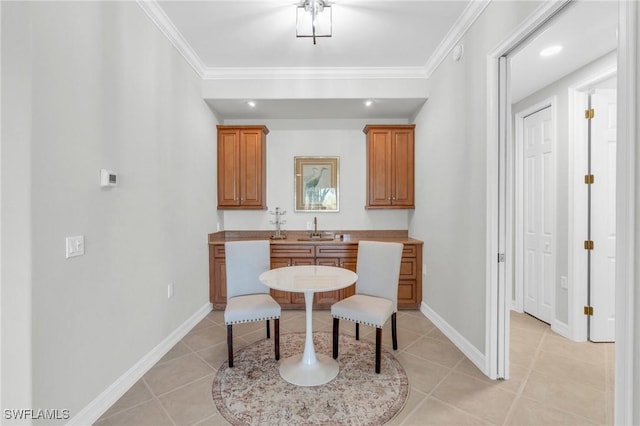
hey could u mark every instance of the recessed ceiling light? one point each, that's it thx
(252, 104)
(551, 50)
(368, 103)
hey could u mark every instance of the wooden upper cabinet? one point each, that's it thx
(390, 166)
(242, 167)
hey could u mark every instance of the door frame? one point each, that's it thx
(577, 155)
(498, 112)
(626, 370)
(500, 181)
(518, 251)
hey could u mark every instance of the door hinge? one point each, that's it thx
(589, 113)
(588, 245)
(500, 257)
(588, 310)
(589, 179)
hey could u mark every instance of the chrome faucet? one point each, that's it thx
(315, 233)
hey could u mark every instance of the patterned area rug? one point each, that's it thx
(253, 393)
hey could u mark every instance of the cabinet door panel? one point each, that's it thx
(251, 168)
(403, 168)
(220, 281)
(228, 168)
(379, 167)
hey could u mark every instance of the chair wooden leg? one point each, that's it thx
(394, 332)
(276, 336)
(357, 331)
(230, 344)
(378, 348)
(268, 331)
(336, 327)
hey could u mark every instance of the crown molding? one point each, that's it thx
(162, 21)
(455, 34)
(320, 73)
(457, 31)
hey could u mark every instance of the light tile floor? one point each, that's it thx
(553, 381)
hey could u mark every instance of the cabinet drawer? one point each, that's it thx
(281, 250)
(406, 291)
(409, 268)
(342, 250)
(410, 250)
(218, 250)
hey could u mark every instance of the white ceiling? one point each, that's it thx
(586, 30)
(370, 37)
(261, 33)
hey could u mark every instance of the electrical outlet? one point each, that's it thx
(170, 291)
(424, 269)
(309, 226)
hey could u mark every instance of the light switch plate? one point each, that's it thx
(75, 246)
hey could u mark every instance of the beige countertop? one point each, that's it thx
(303, 237)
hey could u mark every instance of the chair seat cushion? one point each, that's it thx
(369, 310)
(251, 307)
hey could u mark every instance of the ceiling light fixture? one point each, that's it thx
(551, 50)
(313, 19)
(368, 103)
(252, 104)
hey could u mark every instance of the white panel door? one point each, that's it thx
(603, 215)
(539, 215)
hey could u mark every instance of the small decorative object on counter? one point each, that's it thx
(278, 235)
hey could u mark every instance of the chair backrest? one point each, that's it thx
(378, 269)
(245, 261)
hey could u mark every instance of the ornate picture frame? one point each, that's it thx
(317, 184)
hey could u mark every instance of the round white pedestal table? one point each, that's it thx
(308, 368)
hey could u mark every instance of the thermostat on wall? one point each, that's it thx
(108, 178)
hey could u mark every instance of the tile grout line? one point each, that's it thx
(520, 389)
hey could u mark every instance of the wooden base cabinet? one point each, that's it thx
(290, 255)
(341, 255)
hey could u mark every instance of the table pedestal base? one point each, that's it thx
(296, 372)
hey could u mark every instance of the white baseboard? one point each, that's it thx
(96, 408)
(561, 328)
(470, 351)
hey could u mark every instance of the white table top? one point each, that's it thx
(303, 278)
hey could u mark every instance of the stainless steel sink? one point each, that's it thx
(315, 239)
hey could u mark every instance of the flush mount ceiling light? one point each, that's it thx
(313, 19)
(551, 50)
(368, 102)
(251, 104)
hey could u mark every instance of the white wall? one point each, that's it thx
(633, 394)
(450, 213)
(107, 90)
(559, 90)
(332, 138)
(15, 210)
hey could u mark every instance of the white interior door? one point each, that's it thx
(539, 215)
(603, 215)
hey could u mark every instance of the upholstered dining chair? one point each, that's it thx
(376, 297)
(248, 300)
